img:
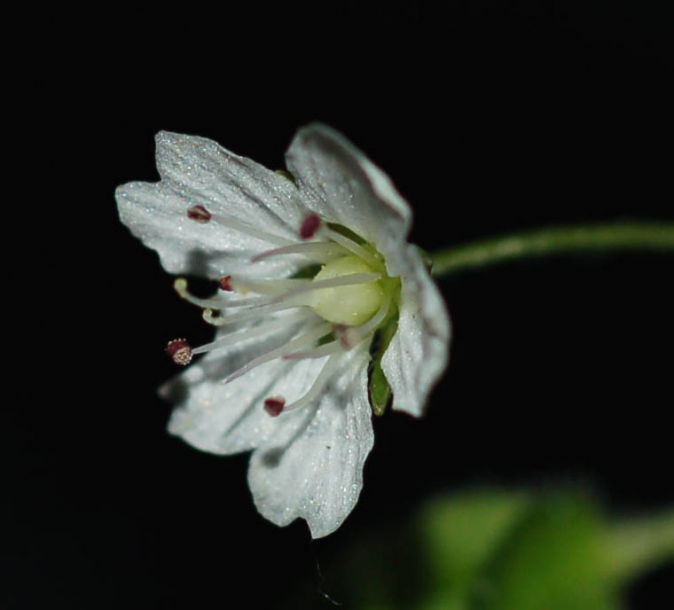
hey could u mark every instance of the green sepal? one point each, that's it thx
(379, 388)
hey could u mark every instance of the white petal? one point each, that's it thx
(158, 216)
(212, 176)
(342, 185)
(418, 353)
(197, 171)
(315, 471)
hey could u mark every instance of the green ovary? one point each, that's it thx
(348, 305)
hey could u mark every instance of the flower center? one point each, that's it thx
(327, 312)
(350, 305)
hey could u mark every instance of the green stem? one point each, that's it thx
(555, 240)
(640, 544)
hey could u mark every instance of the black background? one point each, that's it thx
(489, 117)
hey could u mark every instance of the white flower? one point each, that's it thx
(315, 276)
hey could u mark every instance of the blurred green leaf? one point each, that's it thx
(552, 558)
(461, 536)
(497, 550)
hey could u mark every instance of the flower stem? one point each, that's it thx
(555, 240)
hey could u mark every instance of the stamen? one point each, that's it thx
(318, 385)
(310, 226)
(199, 214)
(351, 279)
(263, 286)
(180, 351)
(225, 283)
(251, 333)
(319, 252)
(274, 405)
(301, 341)
(273, 288)
(303, 287)
(243, 227)
(217, 319)
(318, 352)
